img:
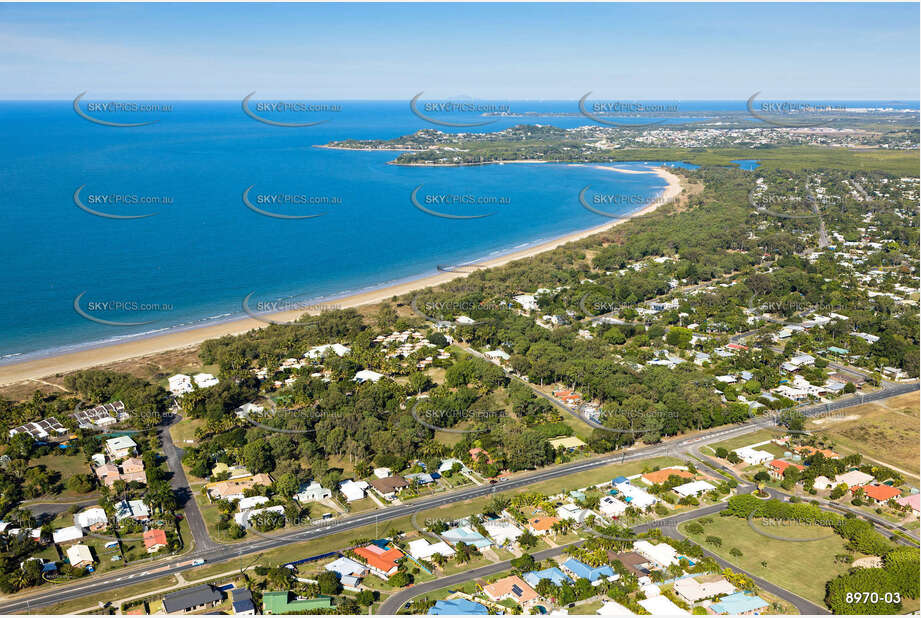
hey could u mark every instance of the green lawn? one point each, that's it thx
(800, 567)
(750, 438)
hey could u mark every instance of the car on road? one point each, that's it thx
(198, 562)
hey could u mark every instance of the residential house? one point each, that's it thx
(366, 375)
(662, 555)
(694, 488)
(913, 502)
(694, 589)
(539, 526)
(466, 535)
(502, 531)
(121, 447)
(753, 457)
(93, 519)
(611, 608)
(777, 467)
(323, 350)
(242, 519)
(382, 562)
(79, 556)
(283, 602)
(635, 496)
(205, 380)
(180, 384)
(421, 549)
(155, 540)
(251, 502)
(662, 606)
(353, 490)
(514, 588)
(457, 607)
(41, 430)
(554, 574)
(611, 507)
(242, 602)
(853, 478)
(632, 561)
(232, 489)
(390, 486)
(312, 492)
(579, 569)
(879, 494)
(347, 568)
(192, 599)
(132, 509)
(68, 534)
(573, 513)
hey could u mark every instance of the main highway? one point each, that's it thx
(213, 552)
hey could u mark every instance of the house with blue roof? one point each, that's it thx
(739, 603)
(455, 607)
(466, 534)
(579, 569)
(575, 494)
(553, 574)
(619, 480)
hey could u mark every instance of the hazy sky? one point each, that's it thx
(489, 51)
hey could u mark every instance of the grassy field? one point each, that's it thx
(800, 567)
(885, 430)
(750, 438)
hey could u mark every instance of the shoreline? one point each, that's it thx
(34, 369)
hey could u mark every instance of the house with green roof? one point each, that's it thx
(285, 602)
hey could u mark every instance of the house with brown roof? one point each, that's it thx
(475, 453)
(514, 588)
(660, 476)
(390, 486)
(131, 469)
(632, 561)
(809, 451)
(540, 526)
(232, 489)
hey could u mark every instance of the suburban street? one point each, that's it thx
(213, 552)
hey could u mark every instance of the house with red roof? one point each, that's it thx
(913, 502)
(382, 562)
(155, 540)
(776, 468)
(878, 494)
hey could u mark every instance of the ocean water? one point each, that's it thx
(204, 251)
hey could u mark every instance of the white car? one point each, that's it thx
(198, 562)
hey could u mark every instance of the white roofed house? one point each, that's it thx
(753, 456)
(323, 350)
(366, 375)
(132, 509)
(67, 535)
(242, 518)
(573, 513)
(502, 531)
(421, 549)
(79, 556)
(205, 380)
(180, 384)
(312, 492)
(353, 490)
(527, 302)
(611, 507)
(663, 554)
(121, 447)
(245, 504)
(93, 518)
(497, 355)
(694, 488)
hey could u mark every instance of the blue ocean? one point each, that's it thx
(203, 250)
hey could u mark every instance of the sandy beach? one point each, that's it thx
(43, 367)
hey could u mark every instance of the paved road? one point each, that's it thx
(668, 525)
(180, 485)
(213, 552)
